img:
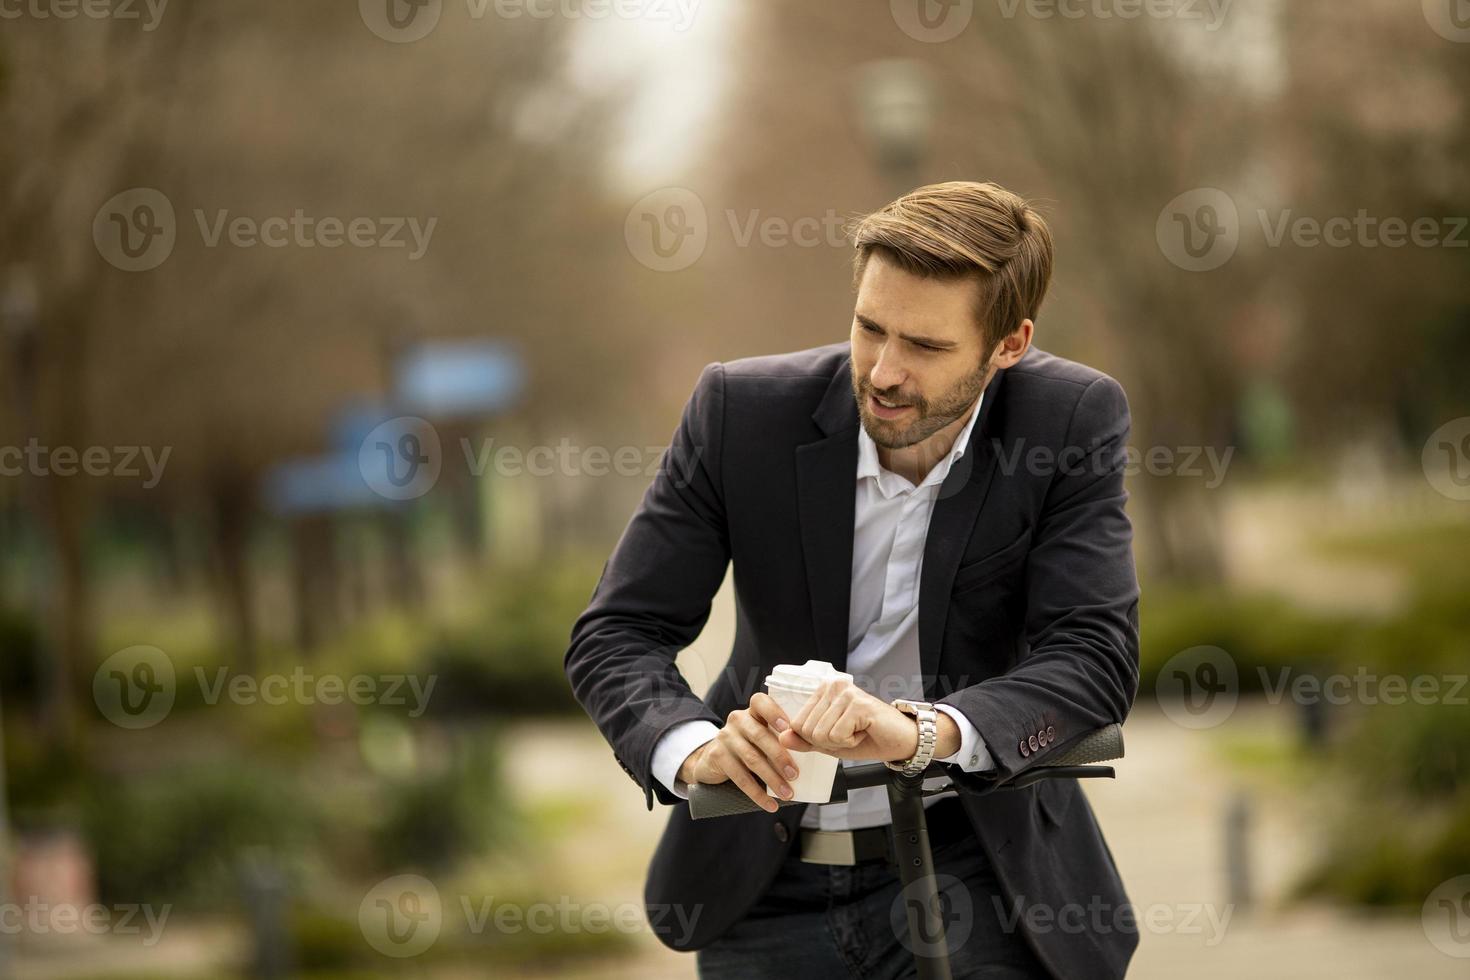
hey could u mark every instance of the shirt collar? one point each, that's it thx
(890, 483)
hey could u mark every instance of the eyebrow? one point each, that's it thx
(910, 337)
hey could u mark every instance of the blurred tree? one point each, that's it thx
(233, 358)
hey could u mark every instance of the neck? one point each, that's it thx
(913, 463)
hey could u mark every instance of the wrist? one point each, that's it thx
(689, 765)
(949, 737)
(925, 734)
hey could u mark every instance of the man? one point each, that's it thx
(937, 508)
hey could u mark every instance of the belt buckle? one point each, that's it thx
(828, 847)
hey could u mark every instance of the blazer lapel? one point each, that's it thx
(826, 478)
(961, 497)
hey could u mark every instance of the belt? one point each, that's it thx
(946, 821)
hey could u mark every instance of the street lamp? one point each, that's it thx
(896, 110)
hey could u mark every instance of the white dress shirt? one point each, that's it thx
(890, 527)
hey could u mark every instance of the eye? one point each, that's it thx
(869, 328)
(928, 347)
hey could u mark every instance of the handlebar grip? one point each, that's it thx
(722, 800)
(1096, 746)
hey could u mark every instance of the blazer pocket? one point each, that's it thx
(993, 565)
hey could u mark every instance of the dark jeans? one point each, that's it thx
(818, 921)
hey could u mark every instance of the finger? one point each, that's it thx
(731, 765)
(845, 731)
(795, 742)
(821, 733)
(760, 735)
(814, 704)
(755, 759)
(769, 710)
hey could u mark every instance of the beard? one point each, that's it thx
(931, 415)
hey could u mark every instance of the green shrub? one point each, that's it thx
(508, 661)
(1407, 825)
(431, 819)
(1261, 633)
(178, 836)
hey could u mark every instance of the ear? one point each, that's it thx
(1014, 346)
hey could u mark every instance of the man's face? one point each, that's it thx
(918, 359)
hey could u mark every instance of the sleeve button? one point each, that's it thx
(782, 834)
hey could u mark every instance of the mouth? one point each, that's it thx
(886, 410)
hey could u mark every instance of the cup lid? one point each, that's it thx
(804, 677)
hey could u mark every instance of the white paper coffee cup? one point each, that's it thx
(792, 686)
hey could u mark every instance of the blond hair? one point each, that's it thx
(964, 228)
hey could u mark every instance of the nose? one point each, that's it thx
(887, 371)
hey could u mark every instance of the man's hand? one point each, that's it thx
(746, 751)
(842, 719)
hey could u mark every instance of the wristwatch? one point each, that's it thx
(928, 719)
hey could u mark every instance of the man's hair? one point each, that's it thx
(965, 229)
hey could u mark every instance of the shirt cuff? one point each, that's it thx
(674, 746)
(972, 755)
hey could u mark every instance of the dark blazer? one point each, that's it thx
(1028, 622)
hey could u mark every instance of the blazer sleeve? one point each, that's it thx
(654, 596)
(1079, 670)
